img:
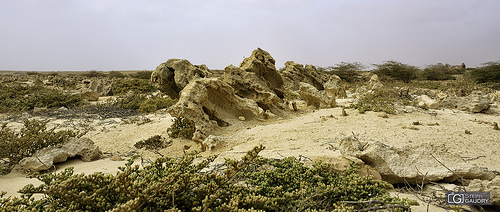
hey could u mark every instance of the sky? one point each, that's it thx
(52, 35)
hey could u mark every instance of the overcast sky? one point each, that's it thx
(139, 35)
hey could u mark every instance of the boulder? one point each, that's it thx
(414, 165)
(313, 97)
(295, 73)
(210, 102)
(426, 101)
(375, 83)
(263, 65)
(174, 74)
(343, 163)
(101, 86)
(45, 158)
(333, 87)
(492, 186)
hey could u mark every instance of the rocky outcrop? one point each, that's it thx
(492, 186)
(210, 102)
(263, 65)
(414, 165)
(315, 98)
(295, 73)
(333, 87)
(44, 159)
(374, 83)
(173, 75)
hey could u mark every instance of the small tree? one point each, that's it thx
(346, 71)
(396, 70)
(489, 72)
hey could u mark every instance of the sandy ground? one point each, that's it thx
(307, 133)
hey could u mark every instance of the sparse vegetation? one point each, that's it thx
(488, 74)
(138, 86)
(24, 98)
(170, 184)
(144, 103)
(393, 70)
(382, 100)
(116, 74)
(154, 142)
(182, 127)
(142, 75)
(93, 73)
(438, 72)
(34, 136)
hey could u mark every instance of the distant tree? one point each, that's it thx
(489, 72)
(438, 71)
(396, 70)
(346, 71)
(116, 74)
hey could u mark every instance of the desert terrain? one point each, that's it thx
(439, 141)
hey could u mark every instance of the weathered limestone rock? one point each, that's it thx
(425, 163)
(45, 158)
(295, 73)
(333, 87)
(210, 102)
(213, 142)
(343, 163)
(249, 85)
(426, 101)
(263, 65)
(173, 75)
(375, 83)
(492, 186)
(313, 97)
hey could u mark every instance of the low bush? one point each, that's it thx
(392, 70)
(182, 127)
(116, 74)
(144, 103)
(24, 98)
(34, 136)
(489, 74)
(142, 75)
(170, 184)
(93, 73)
(382, 100)
(138, 86)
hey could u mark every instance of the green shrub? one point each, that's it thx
(33, 136)
(438, 72)
(142, 75)
(349, 72)
(139, 86)
(397, 71)
(382, 100)
(169, 184)
(182, 127)
(24, 98)
(116, 74)
(93, 73)
(488, 73)
(154, 104)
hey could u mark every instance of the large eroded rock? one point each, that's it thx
(295, 73)
(263, 65)
(414, 165)
(172, 76)
(315, 98)
(44, 159)
(210, 102)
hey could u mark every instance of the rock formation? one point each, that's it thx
(295, 73)
(173, 75)
(315, 98)
(414, 165)
(44, 159)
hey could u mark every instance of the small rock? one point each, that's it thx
(116, 158)
(495, 126)
(344, 113)
(241, 118)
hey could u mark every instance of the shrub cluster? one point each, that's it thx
(33, 136)
(382, 100)
(144, 103)
(392, 70)
(122, 86)
(142, 75)
(169, 184)
(438, 72)
(24, 98)
(182, 127)
(489, 73)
